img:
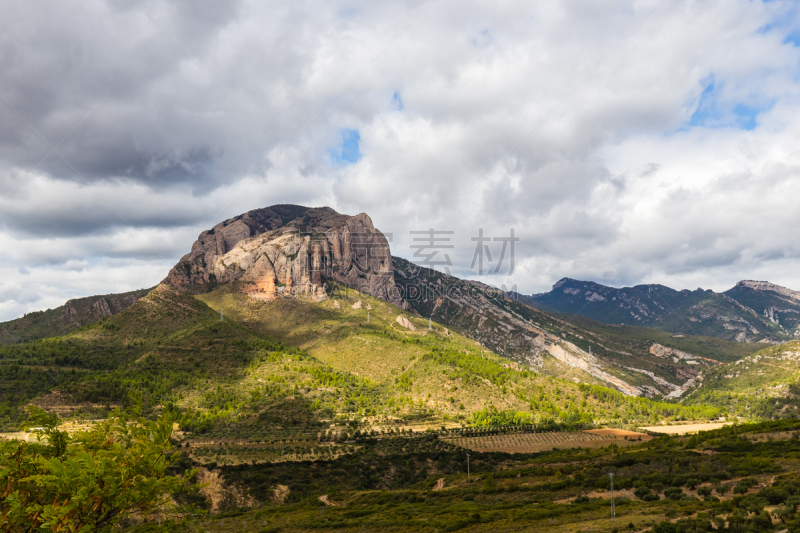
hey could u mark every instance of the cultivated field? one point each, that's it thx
(685, 429)
(539, 442)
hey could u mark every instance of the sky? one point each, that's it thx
(625, 142)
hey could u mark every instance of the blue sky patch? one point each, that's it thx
(746, 116)
(397, 101)
(711, 113)
(706, 107)
(348, 152)
(793, 37)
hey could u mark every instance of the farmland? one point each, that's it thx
(711, 481)
(685, 429)
(539, 442)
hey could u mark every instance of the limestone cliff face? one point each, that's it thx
(289, 250)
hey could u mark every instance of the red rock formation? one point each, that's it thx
(298, 247)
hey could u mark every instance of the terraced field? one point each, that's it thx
(539, 442)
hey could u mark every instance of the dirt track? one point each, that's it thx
(324, 499)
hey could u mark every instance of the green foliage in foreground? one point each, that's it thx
(88, 481)
(713, 481)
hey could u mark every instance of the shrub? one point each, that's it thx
(674, 493)
(95, 479)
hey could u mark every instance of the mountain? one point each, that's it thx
(287, 251)
(752, 311)
(293, 361)
(634, 360)
(68, 317)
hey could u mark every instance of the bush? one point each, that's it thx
(118, 468)
(704, 491)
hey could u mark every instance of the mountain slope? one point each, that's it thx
(749, 312)
(635, 361)
(68, 317)
(172, 350)
(765, 384)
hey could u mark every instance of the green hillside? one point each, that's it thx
(172, 349)
(66, 318)
(428, 372)
(765, 384)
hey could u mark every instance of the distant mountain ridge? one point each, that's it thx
(68, 317)
(751, 311)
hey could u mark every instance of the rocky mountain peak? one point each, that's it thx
(564, 281)
(289, 250)
(767, 286)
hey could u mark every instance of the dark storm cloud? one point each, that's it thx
(115, 97)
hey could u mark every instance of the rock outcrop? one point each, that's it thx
(406, 323)
(662, 351)
(767, 286)
(289, 251)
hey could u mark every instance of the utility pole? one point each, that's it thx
(467, 467)
(220, 314)
(613, 511)
(367, 317)
(429, 323)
